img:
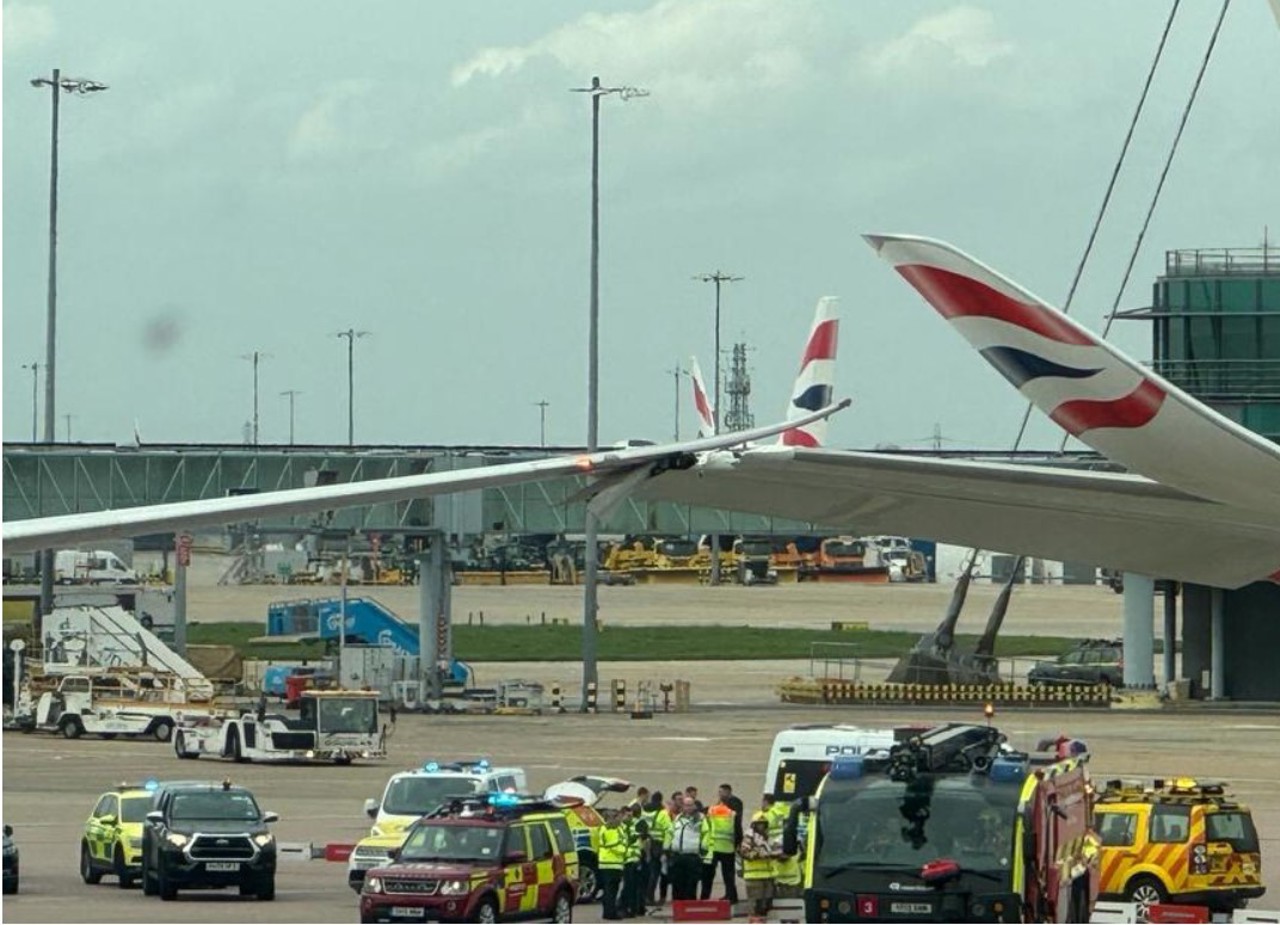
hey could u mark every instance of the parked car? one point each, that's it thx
(1093, 661)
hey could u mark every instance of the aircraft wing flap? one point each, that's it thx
(1108, 519)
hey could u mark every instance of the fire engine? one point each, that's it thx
(951, 825)
(333, 726)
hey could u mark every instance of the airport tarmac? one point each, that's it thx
(50, 784)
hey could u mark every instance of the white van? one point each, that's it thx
(101, 566)
(802, 755)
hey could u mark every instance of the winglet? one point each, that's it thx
(816, 380)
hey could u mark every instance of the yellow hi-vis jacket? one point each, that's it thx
(757, 856)
(777, 814)
(613, 848)
(786, 870)
(720, 823)
(659, 825)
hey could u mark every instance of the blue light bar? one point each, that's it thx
(1007, 770)
(152, 785)
(848, 767)
(482, 764)
(504, 799)
(431, 766)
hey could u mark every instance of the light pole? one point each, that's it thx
(292, 393)
(82, 86)
(676, 373)
(542, 421)
(254, 358)
(351, 334)
(591, 553)
(68, 418)
(35, 377)
(717, 277)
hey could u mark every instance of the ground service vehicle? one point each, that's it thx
(208, 836)
(1093, 661)
(802, 755)
(1179, 841)
(72, 566)
(492, 858)
(950, 826)
(409, 795)
(333, 726)
(11, 861)
(115, 703)
(112, 842)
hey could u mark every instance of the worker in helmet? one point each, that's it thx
(758, 854)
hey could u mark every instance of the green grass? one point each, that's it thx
(639, 643)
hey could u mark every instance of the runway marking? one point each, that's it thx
(677, 739)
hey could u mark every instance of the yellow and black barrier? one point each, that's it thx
(820, 690)
(619, 695)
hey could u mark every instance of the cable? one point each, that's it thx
(1182, 124)
(1106, 198)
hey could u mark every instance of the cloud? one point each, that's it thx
(27, 25)
(960, 38)
(459, 152)
(320, 131)
(697, 53)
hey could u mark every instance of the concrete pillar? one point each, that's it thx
(435, 627)
(1139, 631)
(1217, 652)
(1170, 631)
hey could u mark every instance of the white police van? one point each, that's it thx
(802, 755)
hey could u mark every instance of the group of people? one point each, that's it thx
(653, 845)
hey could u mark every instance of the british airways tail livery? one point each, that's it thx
(702, 404)
(1091, 389)
(816, 380)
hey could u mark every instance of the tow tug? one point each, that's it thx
(333, 727)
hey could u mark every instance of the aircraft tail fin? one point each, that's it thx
(816, 380)
(701, 402)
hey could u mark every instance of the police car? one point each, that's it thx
(112, 840)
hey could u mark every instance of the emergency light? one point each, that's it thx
(151, 785)
(431, 767)
(849, 767)
(1007, 770)
(504, 799)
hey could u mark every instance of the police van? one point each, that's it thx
(802, 755)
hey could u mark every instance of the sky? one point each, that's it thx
(260, 176)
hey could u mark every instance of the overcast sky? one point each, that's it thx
(262, 175)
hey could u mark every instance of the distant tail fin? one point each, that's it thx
(817, 377)
(701, 403)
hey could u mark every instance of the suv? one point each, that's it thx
(483, 859)
(208, 836)
(1179, 841)
(1093, 661)
(112, 841)
(410, 795)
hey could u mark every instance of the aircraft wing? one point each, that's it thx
(1115, 520)
(1094, 391)
(70, 529)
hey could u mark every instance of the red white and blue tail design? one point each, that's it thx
(1094, 391)
(817, 377)
(701, 403)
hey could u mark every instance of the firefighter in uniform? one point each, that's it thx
(758, 854)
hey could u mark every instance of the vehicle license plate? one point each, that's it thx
(407, 912)
(910, 908)
(221, 865)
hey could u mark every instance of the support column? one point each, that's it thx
(1139, 631)
(181, 559)
(435, 626)
(1217, 645)
(1170, 631)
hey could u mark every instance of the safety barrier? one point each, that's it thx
(592, 694)
(808, 690)
(619, 695)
